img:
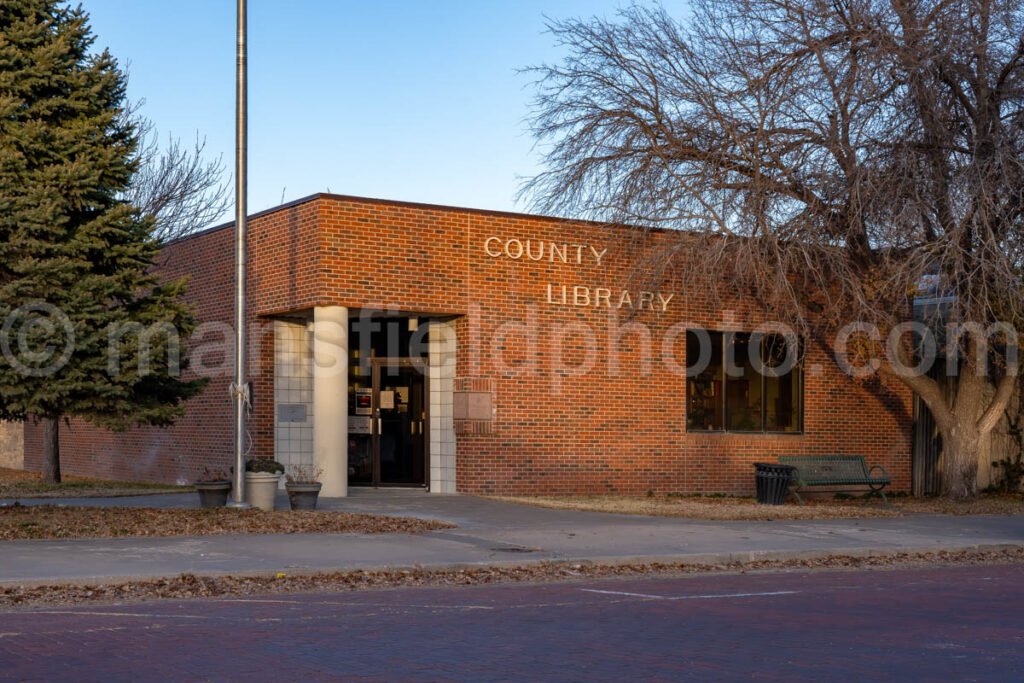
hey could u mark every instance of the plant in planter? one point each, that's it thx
(303, 485)
(213, 486)
(261, 478)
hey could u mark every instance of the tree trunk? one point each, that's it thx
(961, 450)
(51, 450)
(964, 424)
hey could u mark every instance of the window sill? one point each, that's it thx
(725, 432)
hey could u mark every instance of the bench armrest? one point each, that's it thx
(879, 467)
(795, 479)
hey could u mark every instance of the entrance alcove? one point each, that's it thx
(393, 396)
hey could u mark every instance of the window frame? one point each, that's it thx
(723, 336)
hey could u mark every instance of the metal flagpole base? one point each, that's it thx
(238, 505)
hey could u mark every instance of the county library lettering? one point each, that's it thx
(460, 350)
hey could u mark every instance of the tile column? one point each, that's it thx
(442, 351)
(330, 398)
(293, 395)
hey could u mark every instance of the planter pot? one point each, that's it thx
(213, 494)
(303, 496)
(260, 489)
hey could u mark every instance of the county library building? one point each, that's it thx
(462, 350)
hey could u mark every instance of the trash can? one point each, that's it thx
(772, 482)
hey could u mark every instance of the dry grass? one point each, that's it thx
(21, 484)
(18, 522)
(726, 508)
(986, 504)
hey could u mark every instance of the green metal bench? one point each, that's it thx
(835, 470)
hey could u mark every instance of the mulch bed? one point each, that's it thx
(20, 522)
(189, 586)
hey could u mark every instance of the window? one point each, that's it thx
(741, 382)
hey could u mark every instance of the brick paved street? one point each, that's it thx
(940, 624)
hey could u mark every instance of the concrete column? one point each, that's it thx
(330, 398)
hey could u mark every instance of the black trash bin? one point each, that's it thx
(772, 482)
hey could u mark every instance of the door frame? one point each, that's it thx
(420, 364)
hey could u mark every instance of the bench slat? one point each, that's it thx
(831, 470)
(834, 470)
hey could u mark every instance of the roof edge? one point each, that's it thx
(458, 209)
(230, 224)
(415, 205)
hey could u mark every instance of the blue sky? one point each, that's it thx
(398, 99)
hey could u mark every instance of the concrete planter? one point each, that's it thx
(303, 496)
(260, 489)
(213, 494)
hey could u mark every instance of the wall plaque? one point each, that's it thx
(473, 409)
(291, 412)
(359, 424)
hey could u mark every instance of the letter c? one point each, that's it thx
(487, 247)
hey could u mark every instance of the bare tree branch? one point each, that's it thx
(175, 183)
(827, 157)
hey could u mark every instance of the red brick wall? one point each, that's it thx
(609, 430)
(202, 437)
(605, 431)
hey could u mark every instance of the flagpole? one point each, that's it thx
(239, 387)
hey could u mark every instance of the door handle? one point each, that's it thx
(380, 426)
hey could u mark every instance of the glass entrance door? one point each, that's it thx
(399, 423)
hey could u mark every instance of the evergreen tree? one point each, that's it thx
(88, 329)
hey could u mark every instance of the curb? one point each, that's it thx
(695, 560)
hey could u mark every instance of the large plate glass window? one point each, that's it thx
(742, 382)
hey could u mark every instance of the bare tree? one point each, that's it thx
(828, 157)
(175, 184)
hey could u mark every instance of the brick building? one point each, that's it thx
(487, 352)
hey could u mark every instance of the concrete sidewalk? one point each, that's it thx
(489, 532)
